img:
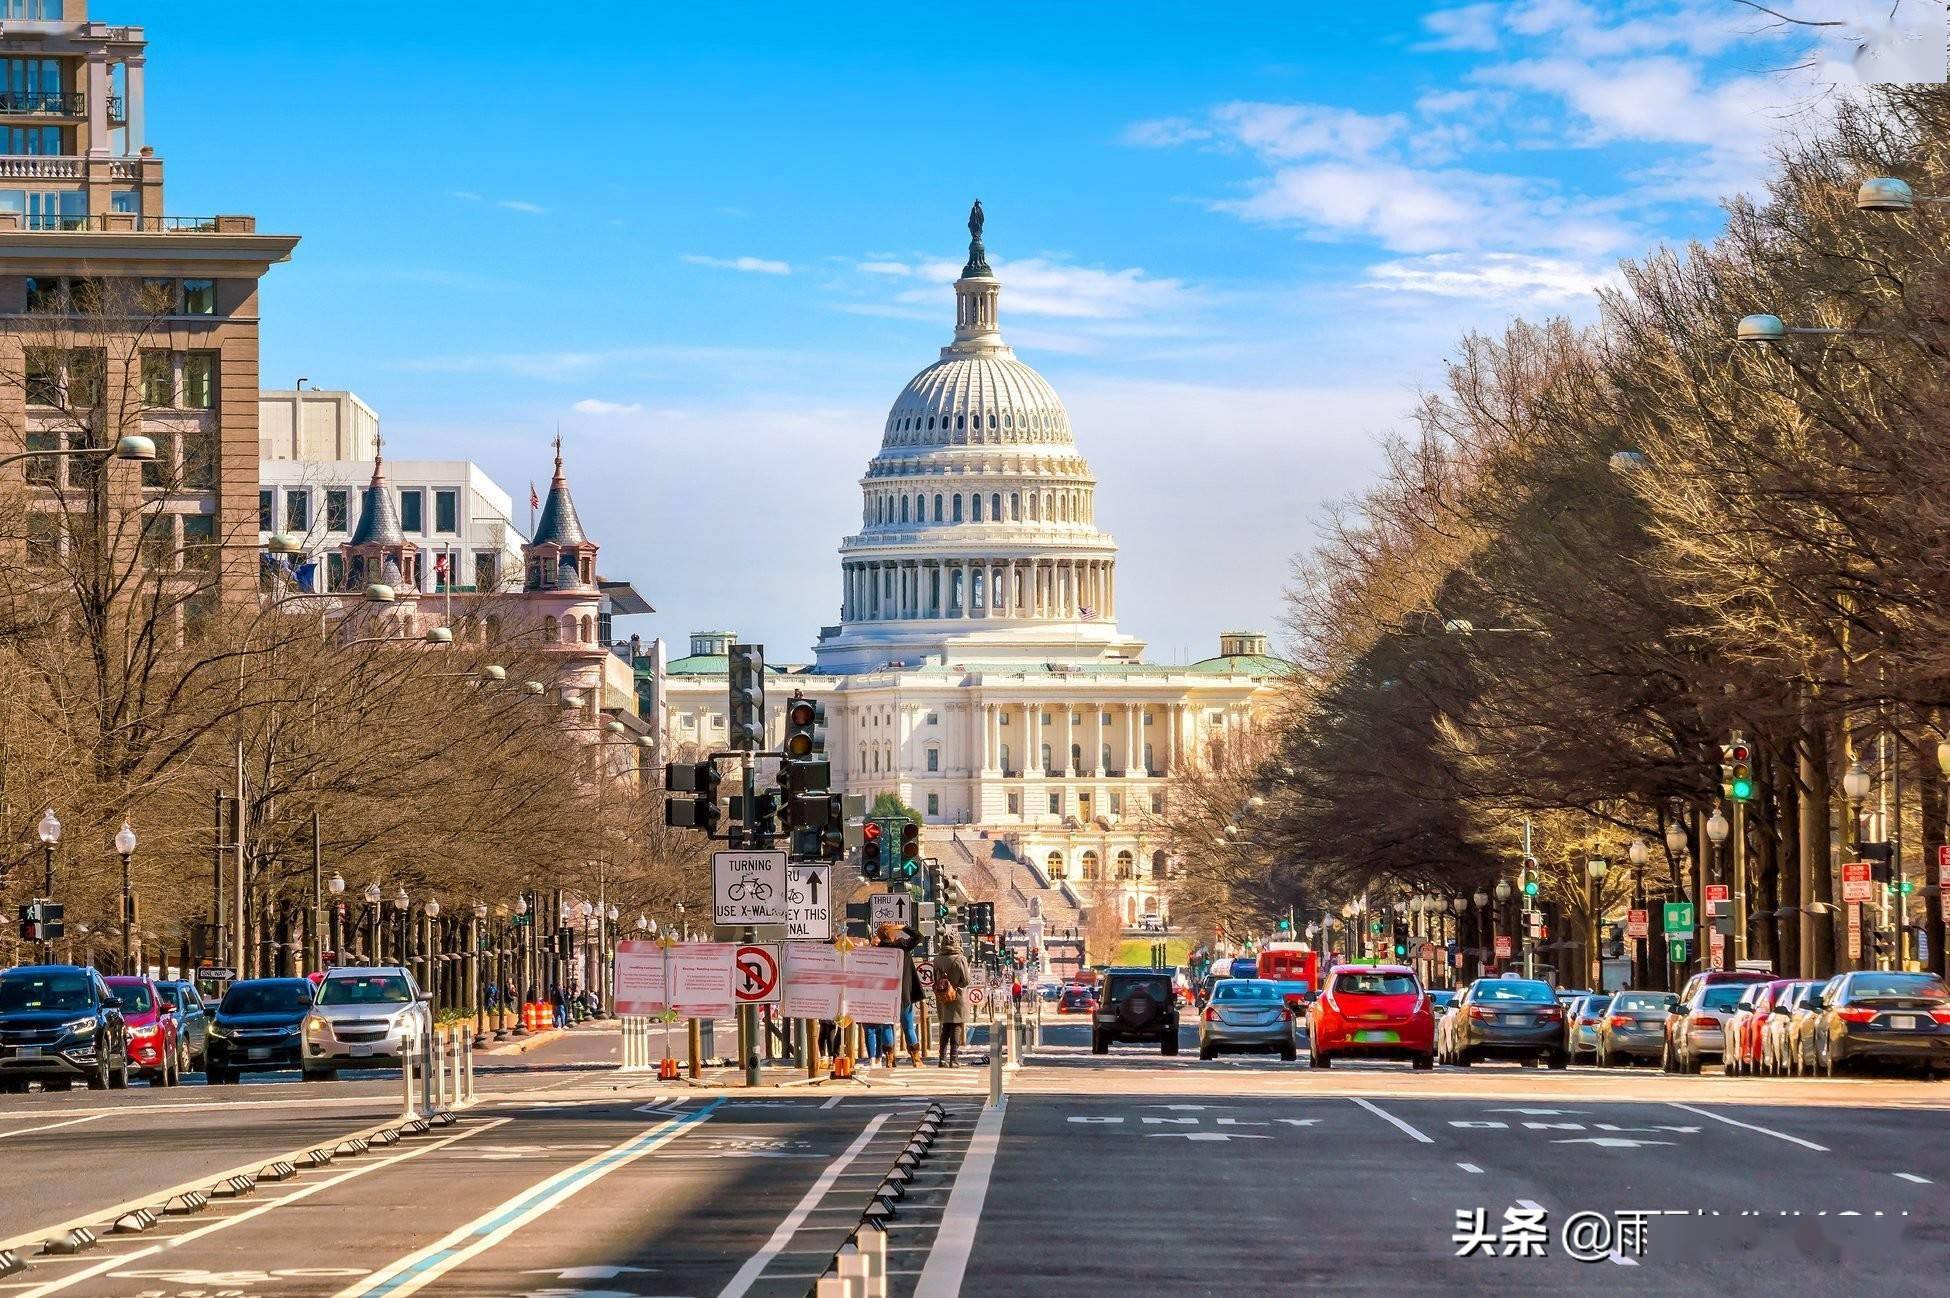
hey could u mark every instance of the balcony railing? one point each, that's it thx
(53, 103)
(126, 222)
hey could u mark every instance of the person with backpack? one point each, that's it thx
(951, 979)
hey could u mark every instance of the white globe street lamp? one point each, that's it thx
(1717, 827)
(337, 884)
(1597, 867)
(1676, 839)
(1856, 783)
(1502, 890)
(1638, 853)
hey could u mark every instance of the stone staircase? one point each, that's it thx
(989, 871)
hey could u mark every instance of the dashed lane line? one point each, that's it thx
(1470, 1168)
(1913, 1177)
(52, 1126)
(416, 1270)
(1391, 1119)
(1748, 1126)
(755, 1264)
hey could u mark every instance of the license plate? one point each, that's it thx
(1517, 1020)
(260, 1053)
(362, 1052)
(28, 1052)
(1903, 1022)
(1377, 1035)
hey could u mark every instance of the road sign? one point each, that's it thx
(1428, 950)
(1676, 951)
(1638, 923)
(748, 888)
(1679, 917)
(809, 903)
(977, 994)
(924, 970)
(1717, 945)
(217, 974)
(890, 908)
(1857, 881)
(1854, 930)
(755, 978)
(1943, 870)
(1503, 946)
(1715, 894)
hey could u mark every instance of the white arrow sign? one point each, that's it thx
(1609, 1142)
(1204, 1135)
(1535, 1112)
(588, 1272)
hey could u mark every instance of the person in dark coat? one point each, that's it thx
(905, 939)
(951, 979)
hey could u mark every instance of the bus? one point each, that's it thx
(1291, 963)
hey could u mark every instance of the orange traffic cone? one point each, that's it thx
(667, 1069)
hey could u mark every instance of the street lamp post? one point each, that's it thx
(523, 933)
(125, 847)
(335, 922)
(1502, 893)
(50, 834)
(1638, 853)
(474, 965)
(372, 923)
(1857, 784)
(1717, 830)
(428, 939)
(1597, 867)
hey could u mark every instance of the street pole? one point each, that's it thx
(47, 891)
(128, 917)
(1529, 953)
(241, 944)
(315, 926)
(1739, 944)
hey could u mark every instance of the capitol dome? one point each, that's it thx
(978, 534)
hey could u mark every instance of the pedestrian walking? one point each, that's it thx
(560, 1001)
(903, 939)
(951, 978)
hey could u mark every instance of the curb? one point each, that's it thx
(525, 1044)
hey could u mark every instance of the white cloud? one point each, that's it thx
(1165, 132)
(1494, 277)
(597, 406)
(1403, 208)
(750, 265)
(887, 267)
(1471, 27)
(1038, 286)
(1287, 131)
(522, 205)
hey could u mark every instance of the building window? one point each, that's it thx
(157, 472)
(267, 519)
(1055, 804)
(1150, 767)
(1089, 863)
(1046, 718)
(87, 376)
(1005, 759)
(200, 541)
(487, 570)
(1103, 718)
(1076, 757)
(43, 469)
(446, 511)
(338, 509)
(1126, 865)
(1055, 865)
(934, 759)
(975, 508)
(1116, 803)
(934, 718)
(32, 11)
(158, 544)
(1015, 506)
(200, 459)
(43, 538)
(934, 804)
(1048, 768)
(412, 510)
(958, 509)
(199, 297)
(199, 380)
(158, 379)
(1147, 718)
(937, 509)
(334, 571)
(297, 510)
(1015, 804)
(1157, 804)
(1004, 720)
(1160, 864)
(1076, 718)
(1104, 758)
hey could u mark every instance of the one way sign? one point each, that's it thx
(809, 903)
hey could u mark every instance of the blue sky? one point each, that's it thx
(712, 241)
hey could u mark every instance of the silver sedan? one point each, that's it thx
(1247, 1014)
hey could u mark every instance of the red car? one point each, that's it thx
(155, 1042)
(1077, 1000)
(1379, 1011)
(1741, 1055)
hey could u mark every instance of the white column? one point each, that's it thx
(1172, 718)
(132, 67)
(1063, 763)
(1096, 762)
(98, 85)
(1133, 722)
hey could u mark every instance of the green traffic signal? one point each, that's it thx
(1400, 950)
(1909, 886)
(1530, 887)
(1285, 924)
(1743, 790)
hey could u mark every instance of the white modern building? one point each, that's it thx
(315, 424)
(977, 670)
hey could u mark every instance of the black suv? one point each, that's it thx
(1138, 1004)
(57, 1023)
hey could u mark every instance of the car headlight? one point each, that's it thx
(218, 1029)
(317, 1023)
(79, 1027)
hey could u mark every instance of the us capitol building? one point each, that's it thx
(977, 670)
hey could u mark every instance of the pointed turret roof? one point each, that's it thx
(378, 518)
(559, 524)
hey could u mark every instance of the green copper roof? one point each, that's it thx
(1243, 665)
(708, 665)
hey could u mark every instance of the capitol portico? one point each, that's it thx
(977, 670)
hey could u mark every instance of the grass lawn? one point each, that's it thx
(1138, 950)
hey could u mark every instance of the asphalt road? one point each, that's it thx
(1100, 1176)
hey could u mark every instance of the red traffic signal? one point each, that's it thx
(910, 840)
(870, 831)
(1739, 751)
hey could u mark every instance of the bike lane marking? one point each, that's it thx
(1748, 1126)
(755, 1264)
(416, 1270)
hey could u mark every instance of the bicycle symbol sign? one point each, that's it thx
(748, 887)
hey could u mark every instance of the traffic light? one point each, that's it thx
(1285, 925)
(1909, 886)
(910, 854)
(699, 811)
(747, 672)
(805, 729)
(1401, 940)
(764, 824)
(1885, 942)
(42, 921)
(565, 942)
(941, 910)
(870, 850)
(1881, 858)
(1737, 769)
(1530, 876)
(980, 918)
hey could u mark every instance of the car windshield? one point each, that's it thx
(1640, 1003)
(1375, 984)
(1246, 991)
(1898, 986)
(1723, 996)
(365, 989)
(176, 994)
(266, 997)
(1595, 1005)
(32, 992)
(135, 997)
(1513, 990)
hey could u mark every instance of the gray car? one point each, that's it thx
(1247, 1014)
(365, 1017)
(1508, 1018)
(1634, 1028)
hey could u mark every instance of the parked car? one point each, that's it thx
(1509, 1018)
(1377, 1011)
(1775, 1030)
(1696, 1025)
(1445, 1026)
(1581, 1022)
(1741, 1053)
(192, 1022)
(258, 1027)
(1872, 1016)
(366, 1017)
(1633, 1028)
(1137, 1005)
(1077, 1000)
(1247, 1014)
(155, 1038)
(59, 1022)
(1798, 1037)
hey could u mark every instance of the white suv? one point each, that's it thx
(367, 1016)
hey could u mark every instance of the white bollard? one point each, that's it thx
(467, 1047)
(873, 1247)
(408, 1109)
(832, 1286)
(854, 1269)
(995, 1070)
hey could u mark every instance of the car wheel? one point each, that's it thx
(119, 1079)
(1423, 1063)
(1666, 1062)
(1460, 1058)
(1169, 1045)
(1562, 1059)
(1289, 1052)
(98, 1080)
(1099, 1046)
(1319, 1059)
(1208, 1052)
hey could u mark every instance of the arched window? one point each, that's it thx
(975, 507)
(1005, 759)
(961, 422)
(1015, 506)
(978, 584)
(1055, 865)
(863, 757)
(1090, 863)
(1130, 910)
(995, 506)
(494, 628)
(1150, 767)
(920, 509)
(1126, 865)
(937, 509)
(1076, 757)
(551, 630)
(1005, 420)
(1104, 765)
(1035, 508)
(930, 423)
(1047, 767)
(958, 509)
(1150, 905)
(1160, 867)
(903, 509)
(876, 509)
(588, 629)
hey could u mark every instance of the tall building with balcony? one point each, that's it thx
(119, 317)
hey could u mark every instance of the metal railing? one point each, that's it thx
(119, 222)
(58, 103)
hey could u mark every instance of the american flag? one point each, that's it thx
(534, 497)
(1087, 612)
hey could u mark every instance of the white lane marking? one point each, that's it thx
(1530, 1204)
(947, 1262)
(755, 1264)
(415, 1271)
(1470, 1167)
(1390, 1118)
(833, 1103)
(1748, 1126)
(258, 1210)
(1622, 1260)
(1920, 1180)
(71, 1122)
